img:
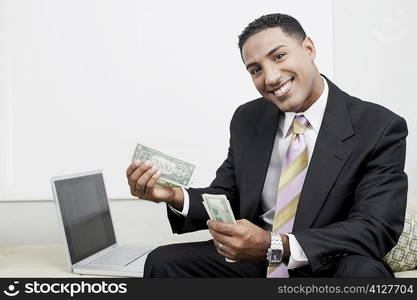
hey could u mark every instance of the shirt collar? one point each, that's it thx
(314, 114)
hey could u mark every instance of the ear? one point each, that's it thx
(309, 48)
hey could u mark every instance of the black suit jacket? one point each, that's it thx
(354, 196)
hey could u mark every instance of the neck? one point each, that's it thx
(317, 90)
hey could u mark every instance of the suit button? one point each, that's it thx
(323, 260)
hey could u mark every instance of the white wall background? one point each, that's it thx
(375, 60)
(87, 80)
(82, 81)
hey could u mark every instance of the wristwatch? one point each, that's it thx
(275, 251)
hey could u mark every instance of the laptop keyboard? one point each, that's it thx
(121, 256)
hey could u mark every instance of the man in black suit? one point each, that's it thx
(352, 204)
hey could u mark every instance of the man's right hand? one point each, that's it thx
(142, 177)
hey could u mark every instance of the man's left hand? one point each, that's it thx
(241, 241)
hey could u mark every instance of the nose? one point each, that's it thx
(272, 76)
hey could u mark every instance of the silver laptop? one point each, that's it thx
(89, 238)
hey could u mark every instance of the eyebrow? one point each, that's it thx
(268, 54)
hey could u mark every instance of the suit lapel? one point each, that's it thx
(256, 160)
(329, 156)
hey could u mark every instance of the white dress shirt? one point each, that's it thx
(314, 116)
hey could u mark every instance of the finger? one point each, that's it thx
(225, 228)
(223, 250)
(225, 254)
(242, 221)
(220, 246)
(143, 180)
(133, 191)
(132, 167)
(151, 183)
(131, 179)
(221, 238)
(142, 168)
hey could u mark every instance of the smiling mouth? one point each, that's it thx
(283, 89)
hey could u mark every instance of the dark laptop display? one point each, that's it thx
(86, 215)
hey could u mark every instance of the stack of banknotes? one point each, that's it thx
(218, 208)
(174, 172)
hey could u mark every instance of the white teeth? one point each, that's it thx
(282, 90)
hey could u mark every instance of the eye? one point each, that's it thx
(279, 56)
(254, 70)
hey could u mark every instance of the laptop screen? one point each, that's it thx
(86, 215)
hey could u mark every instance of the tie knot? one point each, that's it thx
(299, 125)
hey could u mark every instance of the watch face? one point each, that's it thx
(276, 255)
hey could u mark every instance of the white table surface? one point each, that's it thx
(35, 261)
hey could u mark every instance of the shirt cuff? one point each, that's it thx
(185, 206)
(297, 258)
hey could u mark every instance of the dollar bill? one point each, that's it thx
(174, 172)
(208, 210)
(218, 208)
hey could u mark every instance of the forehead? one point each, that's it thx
(259, 44)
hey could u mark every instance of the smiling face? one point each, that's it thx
(283, 69)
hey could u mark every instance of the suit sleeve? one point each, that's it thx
(224, 183)
(376, 219)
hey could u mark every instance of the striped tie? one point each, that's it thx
(291, 181)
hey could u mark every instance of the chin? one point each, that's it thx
(289, 107)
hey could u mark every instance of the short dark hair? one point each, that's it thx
(288, 25)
